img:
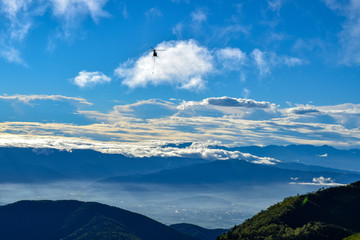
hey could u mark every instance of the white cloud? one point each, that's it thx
(198, 16)
(70, 10)
(246, 92)
(265, 61)
(90, 79)
(153, 13)
(30, 98)
(347, 114)
(178, 29)
(233, 121)
(320, 181)
(260, 61)
(145, 149)
(20, 16)
(349, 36)
(12, 55)
(183, 64)
(325, 155)
(231, 58)
(275, 5)
(186, 64)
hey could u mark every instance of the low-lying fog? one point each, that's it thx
(208, 206)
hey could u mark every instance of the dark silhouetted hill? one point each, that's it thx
(197, 232)
(332, 213)
(74, 220)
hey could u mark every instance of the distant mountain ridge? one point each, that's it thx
(231, 171)
(28, 165)
(332, 213)
(38, 165)
(75, 220)
(325, 155)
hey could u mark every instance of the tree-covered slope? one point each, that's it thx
(332, 213)
(74, 220)
(197, 232)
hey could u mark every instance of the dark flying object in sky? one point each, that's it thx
(155, 51)
(155, 54)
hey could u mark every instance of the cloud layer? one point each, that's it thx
(232, 121)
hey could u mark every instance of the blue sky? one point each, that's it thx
(238, 72)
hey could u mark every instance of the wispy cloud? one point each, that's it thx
(231, 58)
(349, 36)
(90, 79)
(153, 13)
(275, 5)
(19, 18)
(198, 16)
(265, 61)
(28, 99)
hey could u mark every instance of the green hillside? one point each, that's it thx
(332, 213)
(353, 237)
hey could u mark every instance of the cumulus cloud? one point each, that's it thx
(90, 79)
(265, 61)
(184, 64)
(30, 98)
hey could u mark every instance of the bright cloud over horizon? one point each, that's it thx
(231, 121)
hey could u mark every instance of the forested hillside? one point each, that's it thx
(332, 213)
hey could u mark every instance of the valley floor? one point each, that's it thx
(206, 206)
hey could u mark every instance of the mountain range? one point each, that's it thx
(232, 171)
(300, 162)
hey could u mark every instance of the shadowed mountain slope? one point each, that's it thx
(74, 220)
(24, 165)
(197, 232)
(332, 213)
